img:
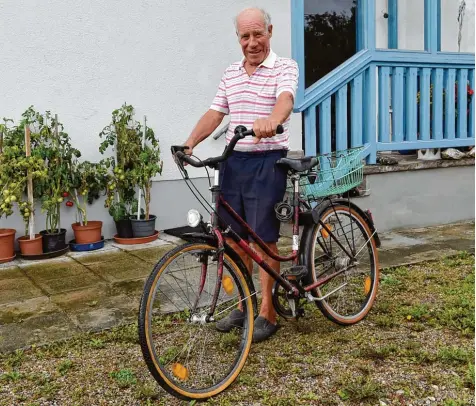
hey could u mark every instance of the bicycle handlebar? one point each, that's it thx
(240, 133)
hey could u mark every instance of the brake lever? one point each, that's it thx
(176, 149)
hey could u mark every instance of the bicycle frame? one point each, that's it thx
(295, 290)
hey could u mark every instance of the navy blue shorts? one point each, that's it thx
(252, 184)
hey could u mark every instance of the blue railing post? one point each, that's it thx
(431, 26)
(370, 111)
(370, 26)
(425, 104)
(462, 129)
(325, 126)
(450, 104)
(411, 105)
(297, 40)
(310, 131)
(356, 99)
(384, 104)
(393, 24)
(341, 118)
(471, 104)
(397, 105)
(437, 112)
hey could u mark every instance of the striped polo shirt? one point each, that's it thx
(246, 98)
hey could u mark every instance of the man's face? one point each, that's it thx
(254, 38)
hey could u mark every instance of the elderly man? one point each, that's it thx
(257, 91)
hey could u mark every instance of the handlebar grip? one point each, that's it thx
(245, 133)
(181, 156)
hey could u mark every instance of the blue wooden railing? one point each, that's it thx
(399, 100)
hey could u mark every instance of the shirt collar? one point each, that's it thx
(268, 62)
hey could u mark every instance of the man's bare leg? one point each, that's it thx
(267, 309)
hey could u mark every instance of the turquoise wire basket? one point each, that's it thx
(336, 173)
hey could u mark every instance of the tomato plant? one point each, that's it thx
(87, 181)
(148, 167)
(14, 169)
(53, 145)
(124, 136)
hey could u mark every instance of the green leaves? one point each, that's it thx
(134, 165)
(14, 169)
(57, 172)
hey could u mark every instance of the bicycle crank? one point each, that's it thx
(286, 305)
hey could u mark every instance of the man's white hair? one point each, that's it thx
(266, 17)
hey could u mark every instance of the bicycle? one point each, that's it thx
(183, 350)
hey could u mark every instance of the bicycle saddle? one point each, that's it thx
(298, 165)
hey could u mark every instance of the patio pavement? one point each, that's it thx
(49, 300)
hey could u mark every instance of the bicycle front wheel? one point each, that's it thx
(349, 296)
(182, 348)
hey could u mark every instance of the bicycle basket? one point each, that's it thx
(336, 173)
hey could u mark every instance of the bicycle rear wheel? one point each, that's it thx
(186, 354)
(352, 292)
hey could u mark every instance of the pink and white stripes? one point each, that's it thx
(247, 98)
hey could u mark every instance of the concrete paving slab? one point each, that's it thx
(152, 255)
(96, 308)
(11, 273)
(8, 265)
(171, 239)
(410, 246)
(17, 289)
(126, 268)
(100, 257)
(26, 263)
(16, 312)
(38, 329)
(132, 288)
(61, 276)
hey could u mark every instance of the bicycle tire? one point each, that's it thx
(145, 330)
(325, 306)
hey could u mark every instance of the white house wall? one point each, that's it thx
(411, 25)
(450, 25)
(82, 59)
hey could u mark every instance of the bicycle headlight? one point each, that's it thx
(193, 218)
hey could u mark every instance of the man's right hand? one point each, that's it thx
(187, 150)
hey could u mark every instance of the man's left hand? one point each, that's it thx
(264, 128)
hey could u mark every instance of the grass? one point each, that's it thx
(416, 346)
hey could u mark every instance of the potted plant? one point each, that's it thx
(7, 235)
(123, 135)
(87, 181)
(121, 201)
(54, 146)
(15, 169)
(148, 166)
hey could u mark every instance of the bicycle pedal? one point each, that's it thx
(297, 271)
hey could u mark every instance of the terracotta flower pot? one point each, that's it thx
(7, 240)
(87, 234)
(31, 247)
